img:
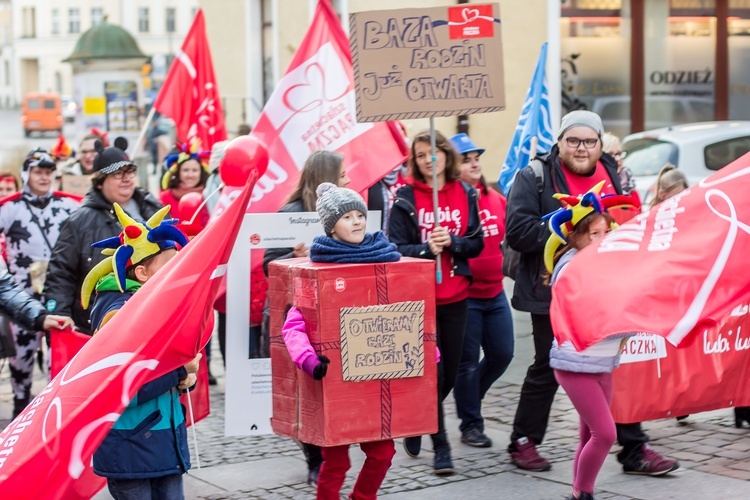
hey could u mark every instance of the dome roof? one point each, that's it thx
(105, 41)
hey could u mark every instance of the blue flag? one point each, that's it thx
(534, 121)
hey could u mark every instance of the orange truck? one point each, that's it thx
(41, 113)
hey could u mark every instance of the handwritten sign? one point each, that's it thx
(417, 63)
(382, 342)
(76, 184)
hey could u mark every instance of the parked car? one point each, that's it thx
(69, 108)
(41, 113)
(698, 149)
(661, 111)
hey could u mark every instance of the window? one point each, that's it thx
(97, 15)
(29, 22)
(7, 72)
(171, 20)
(55, 22)
(49, 104)
(143, 20)
(74, 21)
(33, 104)
(722, 153)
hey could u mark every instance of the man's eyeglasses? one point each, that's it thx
(123, 173)
(620, 155)
(575, 142)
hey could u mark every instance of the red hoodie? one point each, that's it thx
(454, 216)
(487, 269)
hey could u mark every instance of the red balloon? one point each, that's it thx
(245, 158)
(188, 205)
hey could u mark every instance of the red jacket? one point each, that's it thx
(487, 269)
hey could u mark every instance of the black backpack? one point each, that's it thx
(512, 257)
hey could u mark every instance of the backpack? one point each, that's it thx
(512, 257)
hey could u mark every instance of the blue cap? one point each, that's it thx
(464, 145)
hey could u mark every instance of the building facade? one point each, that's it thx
(45, 32)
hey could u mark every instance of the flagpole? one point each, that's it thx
(192, 426)
(435, 206)
(142, 134)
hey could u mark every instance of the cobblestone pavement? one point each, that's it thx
(707, 442)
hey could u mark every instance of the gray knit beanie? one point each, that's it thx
(333, 202)
(581, 118)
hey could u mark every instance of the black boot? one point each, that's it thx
(19, 404)
(741, 414)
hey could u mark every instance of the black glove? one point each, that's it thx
(320, 371)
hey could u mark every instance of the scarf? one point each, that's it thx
(375, 248)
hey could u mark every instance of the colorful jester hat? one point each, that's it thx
(137, 242)
(575, 208)
(186, 151)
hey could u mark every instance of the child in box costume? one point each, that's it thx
(369, 374)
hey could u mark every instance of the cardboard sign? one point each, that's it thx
(417, 63)
(75, 184)
(382, 342)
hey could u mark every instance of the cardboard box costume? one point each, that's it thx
(376, 323)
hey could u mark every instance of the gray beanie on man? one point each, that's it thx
(333, 202)
(581, 118)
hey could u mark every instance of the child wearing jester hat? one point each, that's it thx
(586, 376)
(146, 450)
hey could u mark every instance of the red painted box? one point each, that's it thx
(361, 398)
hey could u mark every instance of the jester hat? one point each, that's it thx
(137, 242)
(562, 221)
(185, 151)
(61, 150)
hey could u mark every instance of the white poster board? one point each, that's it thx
(248, 380)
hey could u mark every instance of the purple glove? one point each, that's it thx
(316, 367)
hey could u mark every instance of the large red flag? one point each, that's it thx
(190, 95)
(158, 330)
(313, 107)
(675, 271)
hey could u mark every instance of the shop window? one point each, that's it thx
(680, 61)
(739, 59)
(595, 49)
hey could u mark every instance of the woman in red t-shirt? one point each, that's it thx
(489, 324)
(457, 238)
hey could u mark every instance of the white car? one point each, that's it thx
(69, 108)
(698, 149)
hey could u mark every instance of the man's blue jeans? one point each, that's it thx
(155, 488)
(489, 326)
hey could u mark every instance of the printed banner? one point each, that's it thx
(382, 342)
(658, 380)
(675, 271)
(417, 63)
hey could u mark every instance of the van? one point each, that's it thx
(41, 113)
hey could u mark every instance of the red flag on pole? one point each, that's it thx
(190, 95)
(675, 272)
(159, 329)
(313, 107)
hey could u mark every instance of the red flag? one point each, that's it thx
(313, 107)
(159, 329)
(65, 344)
(190, 95)
(675, 271)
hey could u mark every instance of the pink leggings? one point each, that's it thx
(591, 394)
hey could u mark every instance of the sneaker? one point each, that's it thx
(651, 464)
(443, 462)
(526, 457)
(413, 445)
(475, 437)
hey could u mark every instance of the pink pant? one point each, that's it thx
(336, 463)
(591, 394)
